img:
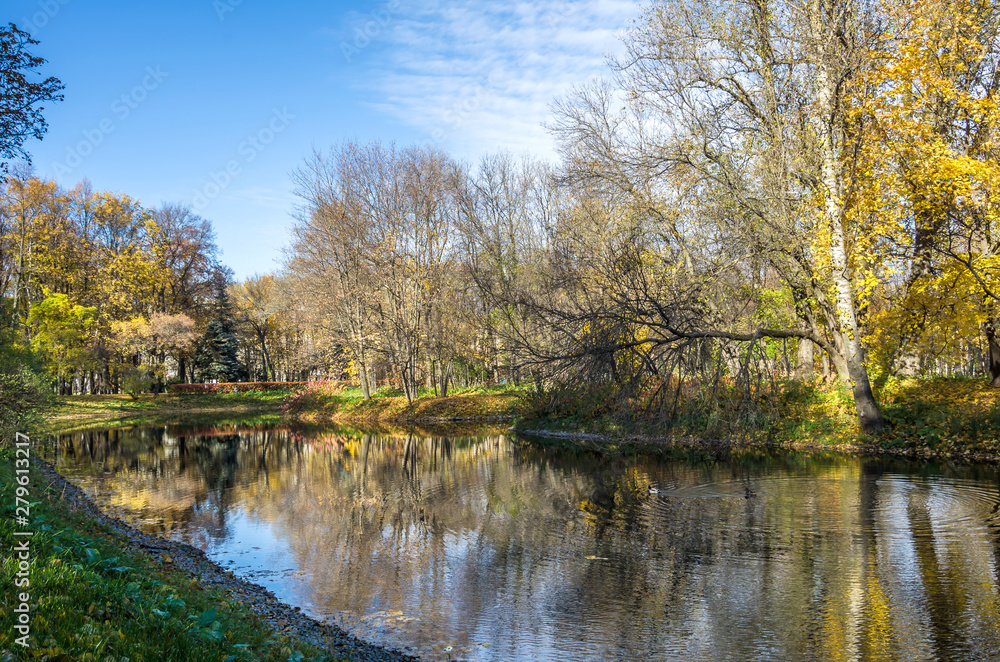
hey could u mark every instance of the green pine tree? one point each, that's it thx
(216, 356)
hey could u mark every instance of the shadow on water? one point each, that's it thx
(507, 550)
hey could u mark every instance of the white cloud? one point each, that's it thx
(475, 77)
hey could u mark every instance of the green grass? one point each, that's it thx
(82, 405)
(90, 599)
(937, 414)
(319, 403)
(336, 403)
(79, 412)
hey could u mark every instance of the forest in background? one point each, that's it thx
(759, 191)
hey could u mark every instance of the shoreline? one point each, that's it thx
(282, 618)
(596, 441)
(646, 442)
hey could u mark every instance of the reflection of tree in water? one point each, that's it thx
(491, 540)
(178, 478)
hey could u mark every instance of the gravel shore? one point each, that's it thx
(282, 618)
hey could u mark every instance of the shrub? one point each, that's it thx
(136, 381)
(22, 394)
(310, 395)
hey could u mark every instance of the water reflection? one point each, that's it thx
(506, 552)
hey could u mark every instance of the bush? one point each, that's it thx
(22, 394)
(24, 390)
(136, 381)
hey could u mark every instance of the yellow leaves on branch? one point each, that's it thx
(927, 173)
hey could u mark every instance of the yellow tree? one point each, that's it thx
(929, 193)
(126, 250)
(732, 134)
(258, 304)
(37, 249)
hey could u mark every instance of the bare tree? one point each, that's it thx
(375, 235)
(727, 130)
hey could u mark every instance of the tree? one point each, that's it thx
(508, 208)
(727, 150)
(258, 304)
(374, 235)
(64, 335)
(171, 334)
(190, 257)
(330, 255)
(38, 249)
(217, 354)
(930, 176)
(20, 95)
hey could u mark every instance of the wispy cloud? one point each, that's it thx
(475, 77)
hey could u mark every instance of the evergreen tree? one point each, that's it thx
(216, 356)
(217, 353)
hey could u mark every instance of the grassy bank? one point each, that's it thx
(75, 412)
(938, 414)
(317, 404)
(345, 404)
(92, 598)
(946, 416)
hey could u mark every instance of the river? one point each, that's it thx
(489, 548)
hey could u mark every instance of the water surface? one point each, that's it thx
(507, 552)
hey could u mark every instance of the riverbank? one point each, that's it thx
(77, 412)
(939, 416)
(311, 406)
(101, 588)
(339, 404)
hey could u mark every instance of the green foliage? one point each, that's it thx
(137, 380)
(678, 406)
(24, 390)
(774, 308)
(944, 414)
(216, 356)
(939, 414)
(23, 394)
(63, 334)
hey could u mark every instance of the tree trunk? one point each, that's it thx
(445, 377)
(268, 367)
(407, 377)
(731, 355)
(993, 352)
(869, 415)
(804, 369)
(908, 363)
(363, 378)
(829, 75)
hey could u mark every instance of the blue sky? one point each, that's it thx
(214, 102)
